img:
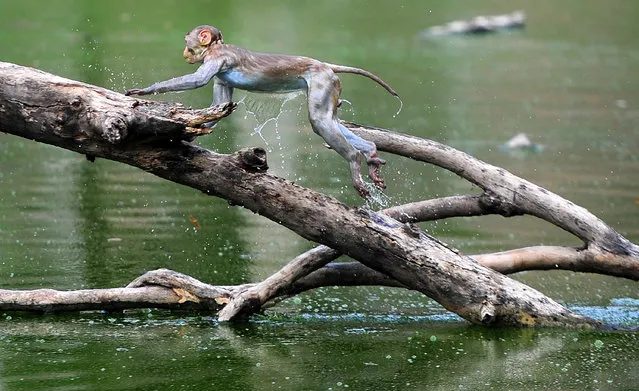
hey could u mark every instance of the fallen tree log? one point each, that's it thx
(101, 123)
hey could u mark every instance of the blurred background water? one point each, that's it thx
(568, 81)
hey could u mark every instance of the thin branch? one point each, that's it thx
(440, 208)
(517, 195)
(255, 297)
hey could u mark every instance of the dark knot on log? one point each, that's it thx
(487, 312)
(253, 159)
(115, 129)
(494, 204)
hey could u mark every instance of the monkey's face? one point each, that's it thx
(198, 41)
(194, 55)
(193, 51)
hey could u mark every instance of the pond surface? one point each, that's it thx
(569, 81)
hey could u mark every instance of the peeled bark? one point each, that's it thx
(149, 135)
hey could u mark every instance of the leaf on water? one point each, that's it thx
(196, 224)
(185, 296)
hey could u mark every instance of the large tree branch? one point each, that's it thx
(311, 265)
(591, 259)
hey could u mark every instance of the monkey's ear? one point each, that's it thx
(205, 37)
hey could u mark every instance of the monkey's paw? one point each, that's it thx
(375, 161)
(379, 182)
(362, 191)
(374, 171)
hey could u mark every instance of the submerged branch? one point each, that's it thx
(114, 299)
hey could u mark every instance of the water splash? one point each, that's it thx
(346, 101)
(377, 199)
(346, 112)
(96, 74)
(256, 108)
(401, 105)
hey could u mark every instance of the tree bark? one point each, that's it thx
(149, 135)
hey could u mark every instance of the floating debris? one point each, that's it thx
(521, 142)
(478, 25)
(196, 224)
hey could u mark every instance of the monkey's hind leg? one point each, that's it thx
(369, 150)
(323, 94)
(328, 129)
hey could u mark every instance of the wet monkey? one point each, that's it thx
(234, 67)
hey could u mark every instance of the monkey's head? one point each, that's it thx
(199, 40)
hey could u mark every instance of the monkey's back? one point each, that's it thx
(264, 72)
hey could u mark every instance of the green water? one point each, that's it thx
(569, 81)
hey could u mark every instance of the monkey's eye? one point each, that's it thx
(191, 51)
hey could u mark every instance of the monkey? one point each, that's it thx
(233, 67)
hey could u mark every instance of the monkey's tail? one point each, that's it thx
(345, 69)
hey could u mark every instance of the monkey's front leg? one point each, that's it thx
(201, 77)
(222, 93)
(181, 83)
